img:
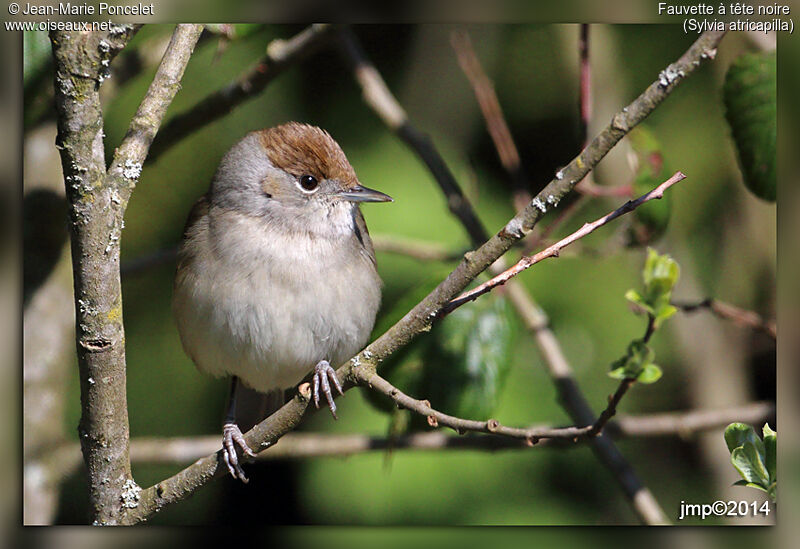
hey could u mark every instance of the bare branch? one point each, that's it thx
(585, 88)
(420, 318)
(726, 311)
(531, 435)
(281, 54)
(493, 115)
(97, 204)
(297, 445)
(104, 426)
(131, 153)
(424, 251)
(555, 249)
(417, 249)
(381, 100)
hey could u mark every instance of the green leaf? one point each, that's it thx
(750, 484)
(660, 275)
(618, 373)
(736, 434)
(650, 220)
(403, 369)
(749, 462)
(649, 374)
(751, 110)
(461, 365)
(634, 297)
(469, 360)
(664, 312)
(638, 356)
(770, 451)
(773, 491)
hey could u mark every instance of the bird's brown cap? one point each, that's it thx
(300, 149)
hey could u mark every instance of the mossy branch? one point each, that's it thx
(97, 199)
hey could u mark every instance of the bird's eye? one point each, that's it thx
(308, 182)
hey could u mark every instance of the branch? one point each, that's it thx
(130, 155)
(417, 249)
(420, 318)
(314, 445)
(726, 311)
(422, 250)
(383, 103)
(496, 123)
(281, 54)
(97, 204)
(460, 425)
(585, 89)
(181, 450)
(555, 249)
(78, 59)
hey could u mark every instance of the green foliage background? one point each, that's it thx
(535, 73)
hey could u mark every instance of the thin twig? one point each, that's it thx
(723, 310)
(555, 249)
(624, 384)
(281, 54)
(297, 445)
(461, 425)
(420, 318)
(313, 445)
(587, 187)
(424, 251)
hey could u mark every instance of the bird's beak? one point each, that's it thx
(360, 193)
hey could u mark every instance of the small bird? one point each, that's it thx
(276, 272)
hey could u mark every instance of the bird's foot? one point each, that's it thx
(323, 375)
(231, 438)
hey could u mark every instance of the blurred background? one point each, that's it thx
(723, 237)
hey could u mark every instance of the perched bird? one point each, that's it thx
(276, 272)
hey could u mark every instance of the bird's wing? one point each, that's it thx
(362, 234)
(198, 212)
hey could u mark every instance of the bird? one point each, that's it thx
(276, 275)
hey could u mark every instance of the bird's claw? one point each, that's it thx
(323, 374)
(231, 438)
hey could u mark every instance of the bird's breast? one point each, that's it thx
(267, 306)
